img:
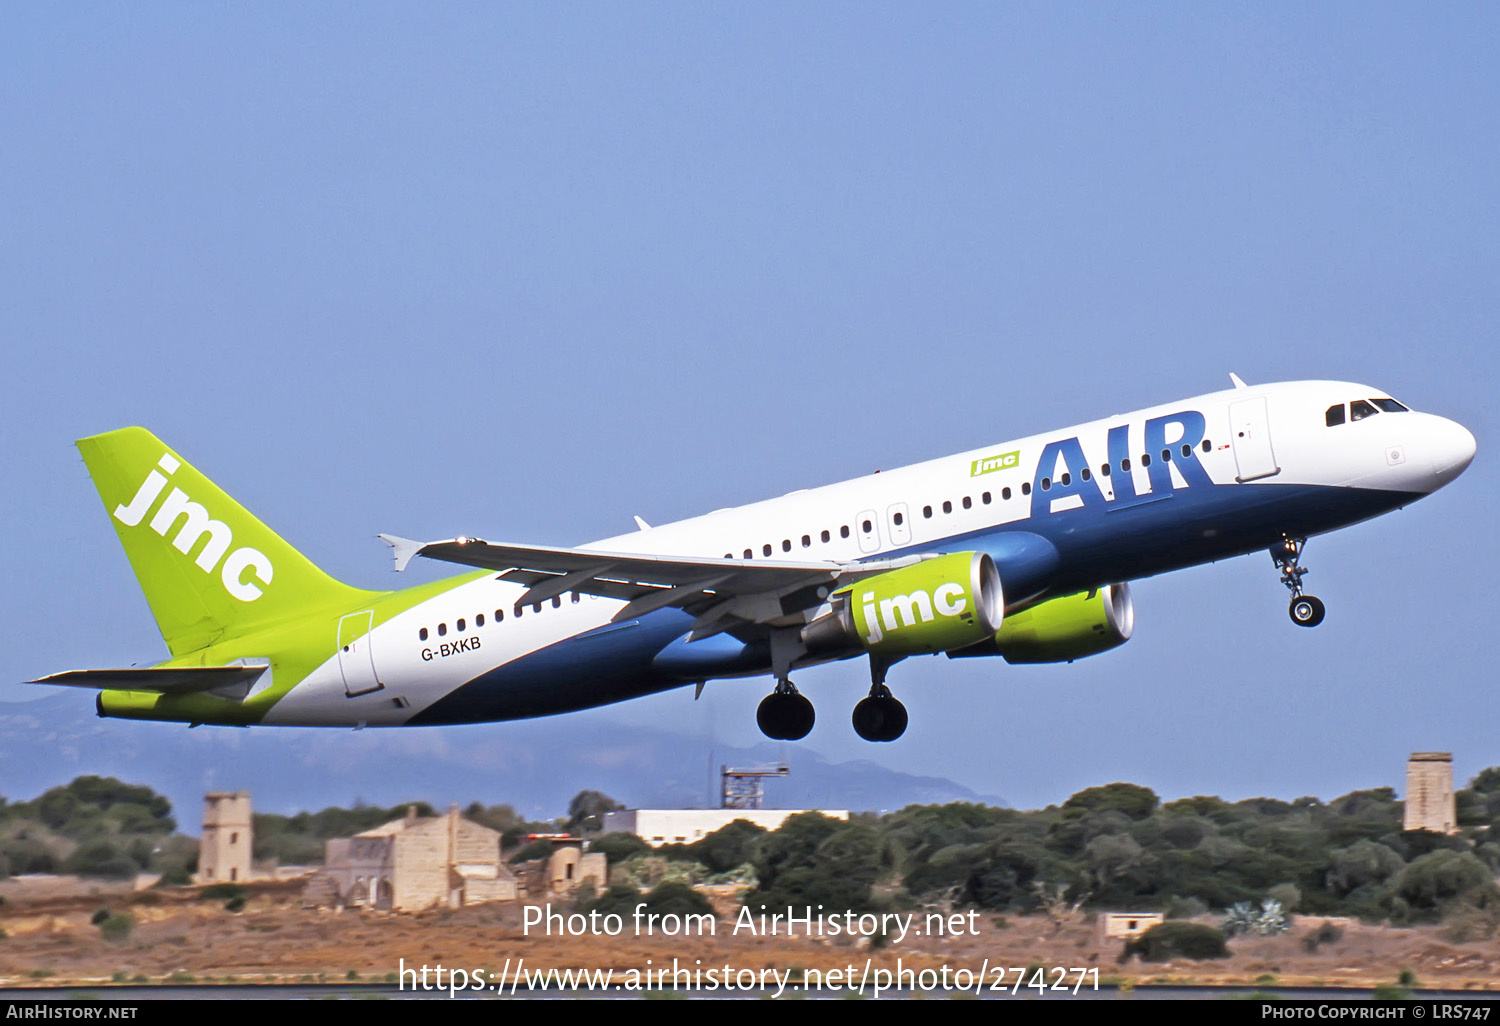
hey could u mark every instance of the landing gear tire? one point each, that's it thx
(1306, 611)
(785, 716)
(880, 718)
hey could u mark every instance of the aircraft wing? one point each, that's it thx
(718, 592)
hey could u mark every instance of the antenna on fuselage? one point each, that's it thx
(1236, 379)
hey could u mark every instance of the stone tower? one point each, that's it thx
(1429, 793)
(224, 848)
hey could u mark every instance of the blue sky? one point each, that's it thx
(522, 271)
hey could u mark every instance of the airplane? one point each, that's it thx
(1022, 550)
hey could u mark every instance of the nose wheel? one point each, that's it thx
(1305, 610)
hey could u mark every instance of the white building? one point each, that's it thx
(684, 826)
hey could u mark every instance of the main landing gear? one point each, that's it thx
(785, 714)
(880, 717)
(1305, 610)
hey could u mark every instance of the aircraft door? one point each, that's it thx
(867, 530)
(898, 524)
(356, 656)
(1252, 439)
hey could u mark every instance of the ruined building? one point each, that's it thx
(415, 863)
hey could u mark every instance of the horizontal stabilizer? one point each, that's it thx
(225, 681)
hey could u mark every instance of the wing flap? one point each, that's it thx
(719, 592)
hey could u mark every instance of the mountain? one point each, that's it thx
(534, 765)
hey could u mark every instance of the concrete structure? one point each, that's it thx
(1126, 926)
(569, 868)
(684, 826)
(1429, 793)
(416, 863)
(225, 845)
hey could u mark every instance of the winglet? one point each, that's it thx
(402, 549)
(642, 525)
(1236, 379)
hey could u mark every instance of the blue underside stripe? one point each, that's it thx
(1055, 554)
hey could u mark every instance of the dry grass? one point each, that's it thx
(51, 940)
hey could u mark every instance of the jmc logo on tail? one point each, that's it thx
(196, 525)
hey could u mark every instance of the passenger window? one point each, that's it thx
(1085, 473)
(1187, 450)
(1046, 484)
(1104, 470)
(806, 541)
(1125, 464)
(985, 498)
(1335, 415)
(478, 619)
(499, 615)
(1207, 445)
(786, 545)
(442, 629)
(897, 519)
(748, 555)
(422, 634)
(825, 536)
(968, 502)
(575, 598)
(1145, 459)
(927, 512)
(460, 625)
(1166, 455)
(1025, 487)
(1066, 479)
(947, 506)
(867, 527)
(765, 549)
(844, 531)
(556, 601)
(536, 607)
(519, 610)
(1005, 492)
(1359, 410)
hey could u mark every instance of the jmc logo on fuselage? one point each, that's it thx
(990, 464)
(197, 525)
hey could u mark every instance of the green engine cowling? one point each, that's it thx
(1063, 629)
(937, 605)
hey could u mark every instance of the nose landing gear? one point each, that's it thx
(1305, 610)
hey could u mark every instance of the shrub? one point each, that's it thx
(1167, 941)
(1327, 933)
(99, 916)
(117, 928)
(222, 891)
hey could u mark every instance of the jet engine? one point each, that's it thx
(1063, 629)
(937, 605)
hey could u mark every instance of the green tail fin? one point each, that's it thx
(210, 570)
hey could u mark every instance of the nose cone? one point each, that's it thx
(1452, 448)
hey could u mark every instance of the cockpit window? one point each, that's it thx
(1390, 406)
(1359, 410)
(1335, 415)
